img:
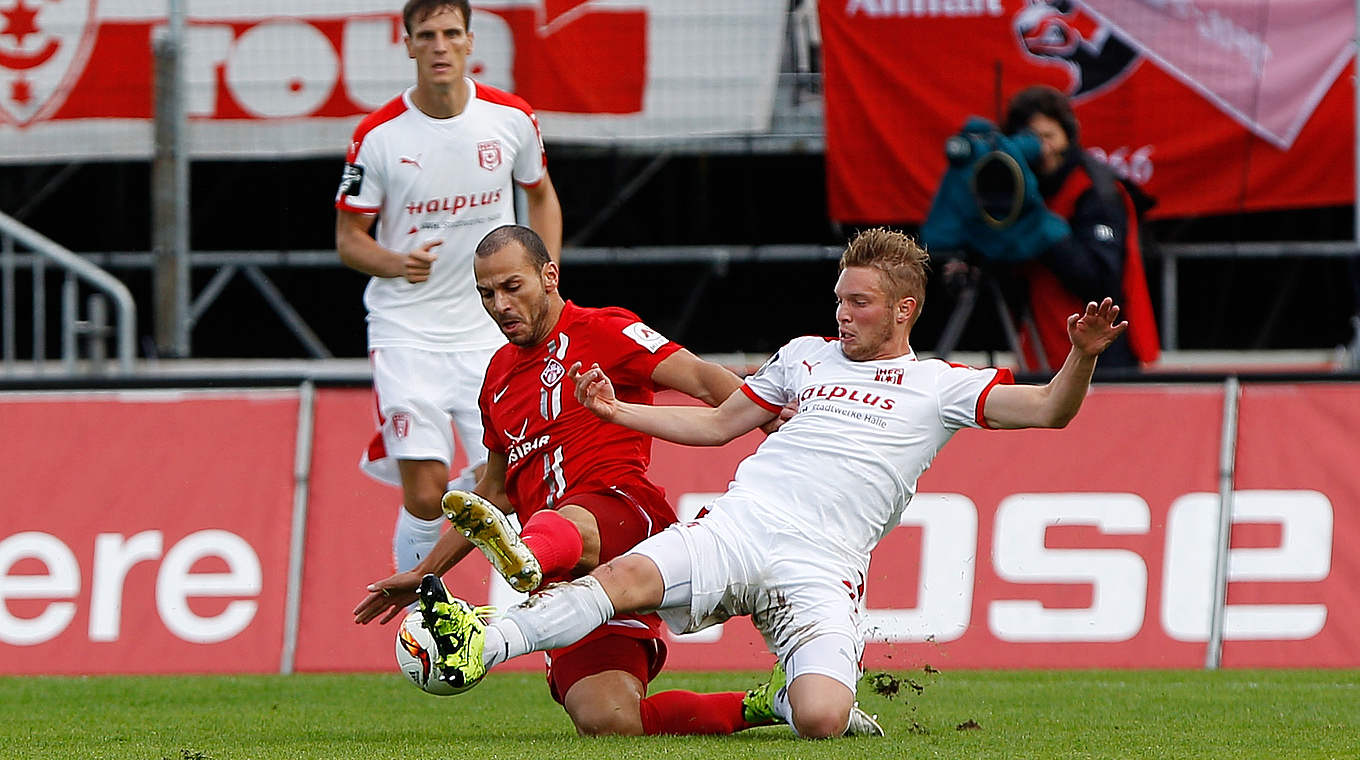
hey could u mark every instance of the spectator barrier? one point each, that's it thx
(149, 531)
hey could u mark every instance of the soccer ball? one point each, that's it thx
(417, 653)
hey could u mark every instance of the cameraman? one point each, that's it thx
(1100, 257)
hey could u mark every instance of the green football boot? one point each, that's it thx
(459, 632)
(482, 523)
(757, 707)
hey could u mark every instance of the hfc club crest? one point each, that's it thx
(553, 373)
(401, 424)
(489, 154)
(44, 45)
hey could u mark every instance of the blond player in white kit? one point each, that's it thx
(789, 542)
(426, 177)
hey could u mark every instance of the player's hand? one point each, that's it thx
(785, 415)
(593, 390)
(418, 262)
(1093, 330)
(391, 595)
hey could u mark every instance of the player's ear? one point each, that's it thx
(551, 275)
(906, 309)
(410, 51)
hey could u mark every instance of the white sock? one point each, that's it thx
(780, 706)
(413, 538)
(502, 637)
(466, 480)
(559, 615)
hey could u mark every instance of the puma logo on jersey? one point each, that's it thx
(496, 397)
(810, 366)
(410, 161)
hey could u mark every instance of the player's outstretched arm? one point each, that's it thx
(1055, 404)
(689, 425)
(708, 382)
(390, 596)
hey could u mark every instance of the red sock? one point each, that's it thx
(679, 713)
(554, 540)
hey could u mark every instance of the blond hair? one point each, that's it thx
(899, 259)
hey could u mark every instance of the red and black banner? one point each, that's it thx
(1213, 106)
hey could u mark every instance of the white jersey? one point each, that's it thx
(449, 179)
(841, 471)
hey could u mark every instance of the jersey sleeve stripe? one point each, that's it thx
(344, 205)
(502, 98)
(1003, 377)
(760, 402)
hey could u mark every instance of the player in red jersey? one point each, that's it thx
(578, 485)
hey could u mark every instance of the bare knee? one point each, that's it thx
(606, 704)
(606, 720)
(589, 529)
(633, 583)
(823, 722)
(821, 706)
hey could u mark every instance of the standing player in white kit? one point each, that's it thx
(789, 542)
(435, 170)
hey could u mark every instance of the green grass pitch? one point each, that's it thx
(1274, 714)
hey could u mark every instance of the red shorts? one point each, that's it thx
(601, 651)
(625, 514)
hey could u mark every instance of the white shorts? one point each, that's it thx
(421, 395)
(718, 567)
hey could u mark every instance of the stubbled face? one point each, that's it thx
(866, 317)
(440, 44)
(515, 293)
(1053, 142)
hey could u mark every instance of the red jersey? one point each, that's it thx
(554, 447)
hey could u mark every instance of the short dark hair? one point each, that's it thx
(416, 11)
(1040, 99)
(515, 233)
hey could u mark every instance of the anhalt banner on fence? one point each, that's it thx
(294, 77)
(1212, 106)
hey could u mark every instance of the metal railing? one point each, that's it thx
(94, 327)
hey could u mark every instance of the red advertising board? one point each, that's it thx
(145, 532)
(1298, 508)
(149, 532)
(1213, 106)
